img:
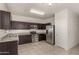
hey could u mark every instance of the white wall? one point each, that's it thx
(3, 7)
(73, 29)
(66, 29)
(61, 29)
(29, 19)
(51, 20)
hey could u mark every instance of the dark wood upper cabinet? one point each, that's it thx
(5, 20)
(26, 25)
(41, 26)
(20, 25)
(0, 21)
(34, 26)
(17, 25)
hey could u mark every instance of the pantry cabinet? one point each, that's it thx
(5, 18)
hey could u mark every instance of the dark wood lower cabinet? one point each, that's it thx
(42, 37)
(9, 48)
(23, 39)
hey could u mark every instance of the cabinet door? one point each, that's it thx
(18, 25)
(9, 48)
(27, 26)
(0, 21)
(23, 39)
(13, 25)
(12, 47)
(41, 26)
(42, 37)
(5, 16)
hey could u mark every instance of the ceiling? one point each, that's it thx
(24, 8)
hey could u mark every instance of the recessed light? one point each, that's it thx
(37, 12)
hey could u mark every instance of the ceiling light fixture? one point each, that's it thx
(50, 4)
(37, 12)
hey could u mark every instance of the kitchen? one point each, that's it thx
(14, 32)
(31, 28)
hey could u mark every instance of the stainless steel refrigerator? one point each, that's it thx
(50, 34)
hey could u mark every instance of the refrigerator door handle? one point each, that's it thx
(46, 31)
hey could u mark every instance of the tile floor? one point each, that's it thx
(43, 48)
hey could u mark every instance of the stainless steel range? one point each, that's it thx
(34, 36)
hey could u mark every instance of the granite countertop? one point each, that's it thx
(3, 35)
(13, 34)
(20, 32)
(9, 38)
(27, 32)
